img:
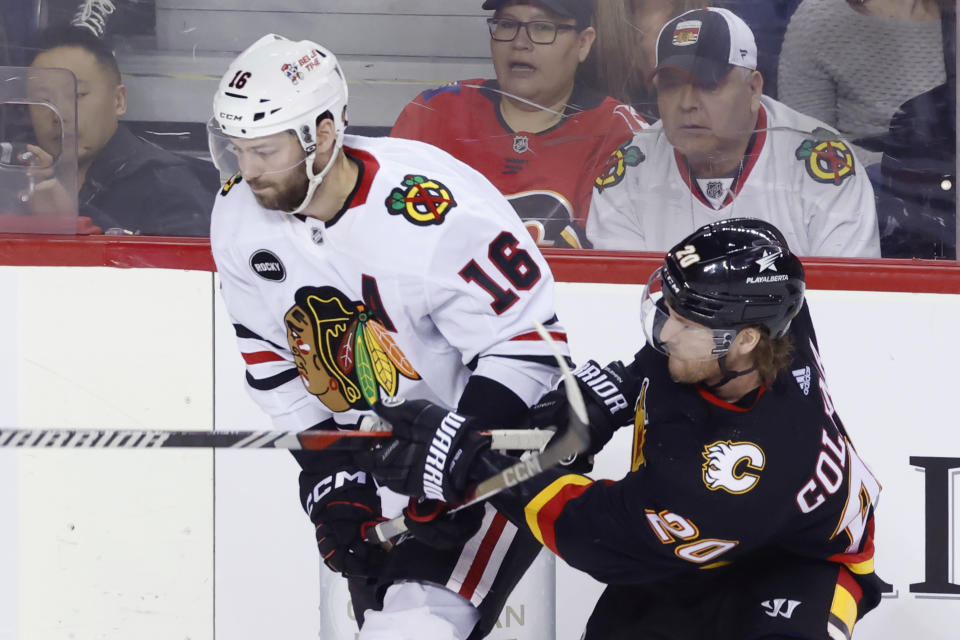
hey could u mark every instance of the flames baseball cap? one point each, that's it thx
(579, 10)
(707, 43)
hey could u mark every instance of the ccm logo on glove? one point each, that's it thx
(331, 482)
(596, 378)
(437, 456)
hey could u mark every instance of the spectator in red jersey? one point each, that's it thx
(535, 132)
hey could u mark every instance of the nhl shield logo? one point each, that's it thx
(521, 144)
(714, 189)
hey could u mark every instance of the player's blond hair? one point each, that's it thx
(772, 355)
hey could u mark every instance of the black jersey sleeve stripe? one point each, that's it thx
(274, 381)
(243, 332)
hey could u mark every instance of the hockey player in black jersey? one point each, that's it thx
(747, 513)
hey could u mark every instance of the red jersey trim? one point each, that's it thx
(370, 169)
(533, 335)
(859, 563)
(723, 404)
(482, 558)
(259, 357)
(542, 512)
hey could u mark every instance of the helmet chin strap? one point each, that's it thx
(727, 374)
(316, 178)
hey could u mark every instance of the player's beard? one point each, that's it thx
(693, 371)
(287, 194)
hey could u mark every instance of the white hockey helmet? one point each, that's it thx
(278, 85)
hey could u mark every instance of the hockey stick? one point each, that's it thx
(503, 439)
(574, 440)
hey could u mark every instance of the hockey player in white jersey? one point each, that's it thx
(723, 150)
(359, 268)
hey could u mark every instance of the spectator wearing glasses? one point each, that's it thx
(534, 131)
(722, 149)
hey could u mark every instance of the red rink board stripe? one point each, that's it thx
(568, 265)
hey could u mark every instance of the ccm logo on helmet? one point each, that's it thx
(230, 116)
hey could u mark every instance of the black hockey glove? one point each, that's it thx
(431, 523)
(430, 452)
(610, 395)
(343, 505)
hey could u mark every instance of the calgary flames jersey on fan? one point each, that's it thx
(547, 176)
(795, 173)
(713, 481)
(424, 277)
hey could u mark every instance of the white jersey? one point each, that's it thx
(425, 277)
(796, 174)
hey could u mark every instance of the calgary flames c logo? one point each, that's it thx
(421, 200)
(732, 466)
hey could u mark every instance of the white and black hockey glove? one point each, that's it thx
(430, 452)
(610, 395)
(343, 505)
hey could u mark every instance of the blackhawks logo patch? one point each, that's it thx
(617, 162)
(421, 200)
(344, 352)
(826, 158)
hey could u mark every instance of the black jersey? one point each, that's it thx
(714, 482)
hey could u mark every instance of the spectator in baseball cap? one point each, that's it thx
(708, 44)
(723, 149)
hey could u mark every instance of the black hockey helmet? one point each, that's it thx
(734, 274)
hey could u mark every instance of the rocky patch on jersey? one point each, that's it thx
(826, 158)
(732, 466)
(345, 356)
(616, 167)
(421, 200)
(268, 266)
